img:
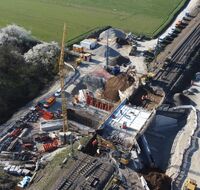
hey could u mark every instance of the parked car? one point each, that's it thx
(58, 92)
(45, 103)
(178, 23)
(187, 14)
(187, 18)
(24, 182)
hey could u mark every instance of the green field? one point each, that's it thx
(45, 18)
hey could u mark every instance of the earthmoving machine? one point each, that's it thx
(146, 77)
(190, 184)
(105, 143)
(120, 156)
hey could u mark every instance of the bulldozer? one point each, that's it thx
(190, 184)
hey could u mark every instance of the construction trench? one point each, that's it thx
(155, 177)
(123, 117)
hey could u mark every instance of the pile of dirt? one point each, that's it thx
(158, 181)
(136, 99)
(120, 82)
(92, 83)
(102, 52)
(119, 60)
(112, 33)
(122, 41)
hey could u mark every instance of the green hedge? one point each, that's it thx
(168, 21)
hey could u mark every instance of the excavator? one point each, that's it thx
(146, 77)
(190, 184)
(120, 156)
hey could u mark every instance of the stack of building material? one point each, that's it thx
(52, 125)
(98, 103)
(47, 147)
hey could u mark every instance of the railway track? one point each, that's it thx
(170, 75)
(190, 42)
(67, 181)
(81, 170)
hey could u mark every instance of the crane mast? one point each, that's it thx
(62, 81)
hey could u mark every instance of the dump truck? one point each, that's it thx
(190, 184)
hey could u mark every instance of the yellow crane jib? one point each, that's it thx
(62, 81)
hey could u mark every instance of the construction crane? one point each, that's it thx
(62, 84)
(107, 50)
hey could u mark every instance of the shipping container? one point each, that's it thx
(46, 115)
(78, 48)
(50, 146)
(89, 43)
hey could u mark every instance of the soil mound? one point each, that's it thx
(120, 82)
(102, 52)
(119, 60)
(112, 33)
(158, 181)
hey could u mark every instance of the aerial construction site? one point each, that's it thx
(123, 113)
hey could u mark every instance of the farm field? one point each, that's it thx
(45, 18)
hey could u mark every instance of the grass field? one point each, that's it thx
(45, 18)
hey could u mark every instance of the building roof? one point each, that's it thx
(126, 122)
(89, 41)
(133, 118)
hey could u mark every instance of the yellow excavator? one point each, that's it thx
(146, 77)
(122, 157)
(190, 184)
